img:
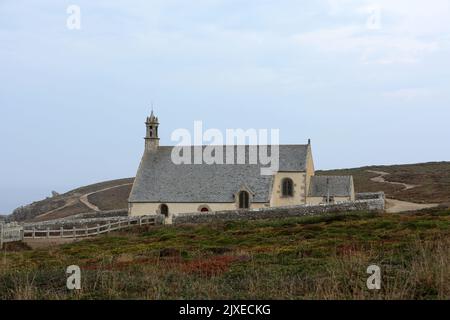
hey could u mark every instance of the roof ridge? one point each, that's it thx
(235, 145)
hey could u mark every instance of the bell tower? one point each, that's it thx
(151, 137)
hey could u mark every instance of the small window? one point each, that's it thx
(243, 200)
(287, 186)
(204, 208)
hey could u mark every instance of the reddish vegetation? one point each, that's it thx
(347, 249)
(15, 246)
(207, 266)
(210, 266)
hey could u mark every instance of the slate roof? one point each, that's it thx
(339, 186)
(160, 180)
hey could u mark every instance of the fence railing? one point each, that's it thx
(10, 233)
(34, 233)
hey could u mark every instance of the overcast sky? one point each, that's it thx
(367, 81)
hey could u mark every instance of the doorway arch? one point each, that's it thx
(164, 210)
(244, 200)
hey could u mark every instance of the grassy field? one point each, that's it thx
(297, 258)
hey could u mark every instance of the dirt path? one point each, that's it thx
(381, 179)
(69, 202)
(396, 206)
(85, 198)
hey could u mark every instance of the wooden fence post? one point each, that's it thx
(86, 230)
(61, 232)
(33, 235)
(74, 232)
(98, 228)
(48, 232)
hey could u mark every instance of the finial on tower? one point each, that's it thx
(151, 104)
(309, 141)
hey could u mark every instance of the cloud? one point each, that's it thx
(382, 32)
(406, 17)
(381, 48)
(409, 94)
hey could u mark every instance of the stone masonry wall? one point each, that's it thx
(370, 195)
(282, 212)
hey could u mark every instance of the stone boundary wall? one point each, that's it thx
(99, 214)
(370, 195)
(377, 205)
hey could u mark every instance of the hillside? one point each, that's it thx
(425, 182)
(323, 257)
(106, 195)
(429, 182)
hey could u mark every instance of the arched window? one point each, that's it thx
(287, 186)
(243, 200)
(204, 209)
(164, 210)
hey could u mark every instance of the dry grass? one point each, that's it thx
(111, 199)
(297, 258)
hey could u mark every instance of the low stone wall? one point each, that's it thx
(370, 195)
(281, 212)
(102, 214)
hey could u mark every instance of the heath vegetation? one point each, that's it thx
(297, 258)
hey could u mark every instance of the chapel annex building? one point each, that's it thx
(163, 187)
